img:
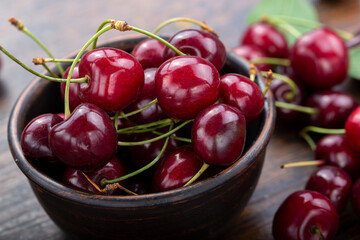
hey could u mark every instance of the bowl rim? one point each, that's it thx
(152, 199)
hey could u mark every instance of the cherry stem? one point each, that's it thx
(148, 129)
(166, 121)
(202, 24)
(268, 81)
(18, 23)
(272, 61)
(140, 170)
(49, 70)
(288, 81)
(92, 183)
(303, 164)
(75, 80)
(252, 72)
(299, 108)
(102, 25)
(198, 174)
(310, 141)
(313, 24)
(39, 60)
(187, 140)
(315, 230)
(282, 25)
(113, 186)
(155, 138)
(116, 120)
(140, 109)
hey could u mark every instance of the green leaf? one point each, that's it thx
(354, 68)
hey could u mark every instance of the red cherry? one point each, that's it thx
(35, 137)
(355, 197)
(301, 213)
(74, 99)
(320, 59)
(149, 53)
(218, 134)
(185, 85)
(251, 52)
(352, 128)
(86, 141)
(198, 43)
(334, 183)
(333, 108)
(76, 180)
(116, 78)
(176, 169)
(242, 93)
(267, 38)
(336, 151)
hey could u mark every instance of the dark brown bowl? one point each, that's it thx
(202, 210)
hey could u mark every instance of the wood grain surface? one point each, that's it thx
(66, 25)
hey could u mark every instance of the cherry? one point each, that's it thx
(251, 52)
(355, 197)
(218, 134)
(352, 128)
(198, 43)
(76, 180)
(148, 94)
(320, 59)
(74, 99)
(116, 78)
(242, 93)
(176, 169)
(333, 108)
(267, 38)
(149, 53)
(334, 183)
(35, 138)
(86, 141)
(336, 151)
(305, 214)
(185, 85)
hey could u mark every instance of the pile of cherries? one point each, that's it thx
(317, 62)
(147, 121)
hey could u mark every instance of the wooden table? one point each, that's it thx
(66, 25)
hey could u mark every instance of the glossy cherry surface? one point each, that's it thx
(334, 183)
(267, 38)
(74, 99)
(149, 53)
(198, 43)
(76, 180)
(352, 128)
(242, 93)
(116, 78)
(185, 85)
(320, 59)
(218, 134)
(336, 151)
(148, 94)
(301, 213)
(355, 197)
(86, 141)
(35, 137)
(176, 169)
(333, 108)
(251, 52)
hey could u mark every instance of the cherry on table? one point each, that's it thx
(352, 129)
(251, 52)
(149, 53)
(74, 99)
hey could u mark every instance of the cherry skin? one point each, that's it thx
(242, 93)
(267, 38)
(176, 169)
(218, 134)
(198, 43)
(112, 170)
(352, 128)
(320, 59)
(116, 78)
(148, 94)
(333, 108)
(74, 99)
(355, 197)
(334, 183)
(86, 141)
(336, 151)
(149, 53)
(301, 213)
(251, 52)
(35, 138)
(185, 85)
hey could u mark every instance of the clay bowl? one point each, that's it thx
(203, 210)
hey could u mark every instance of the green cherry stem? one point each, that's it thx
(198, 174)
(76, 80)
(166, 121)
(49, 70)
(116, 120)
(102, 25)
(18, 23)
(152, 129)
(272, 61)
(291, 83)
(105, 181)
(268, 81)
(310, 141)
(125, 115)
(303, 164)
(203, 25)
(39, 60)
(282, 24)
(182, 139)
(299, 108)
(315, 230)
(252, 72)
